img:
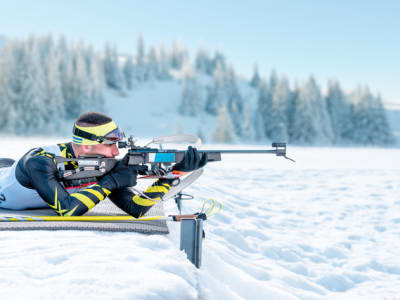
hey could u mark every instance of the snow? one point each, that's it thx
(325, 227)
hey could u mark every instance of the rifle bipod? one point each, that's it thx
(178, 200)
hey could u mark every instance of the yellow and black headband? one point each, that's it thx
(101, 134)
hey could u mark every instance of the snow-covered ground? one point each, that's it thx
(326, 227)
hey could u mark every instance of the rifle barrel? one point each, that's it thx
(238, 151)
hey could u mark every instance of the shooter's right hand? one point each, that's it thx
(120, 176)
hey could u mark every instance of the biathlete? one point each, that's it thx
(32, 182)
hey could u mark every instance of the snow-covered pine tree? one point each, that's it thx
(369, 119)
(140, 66)
(82, 80)
(71, 88)
(224, 130)
(32, 111)
(177, 55)
(191, 102)
(217, 93)
(311, 124)
(291, 111)
(281, 101)
(219, 59)
(255, 80)
(272, 103)
(304, 129)
(152, 65)
(98, 83)
(7, 112)
(258, 125)
(112, 70)
(53, 101)
(339, 110)
(163, 64)
(320, 112)
(235, 101)
(385, 136)
(203, 62)
(129, 73)
(247, 124)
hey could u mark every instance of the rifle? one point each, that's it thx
(159, 159)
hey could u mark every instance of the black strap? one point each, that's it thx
(87, 135)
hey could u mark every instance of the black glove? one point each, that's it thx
(191, 161)
(120, 176)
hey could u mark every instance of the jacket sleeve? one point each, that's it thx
(138, 205)
(42, 173)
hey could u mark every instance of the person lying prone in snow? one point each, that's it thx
(32, 181)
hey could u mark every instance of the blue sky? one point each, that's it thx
(357, 42)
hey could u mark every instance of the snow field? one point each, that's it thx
(326, 227)
(322, 231)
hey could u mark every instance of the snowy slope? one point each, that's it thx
(152, 109)
(326, 227)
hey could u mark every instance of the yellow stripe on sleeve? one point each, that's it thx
(99, 195)
(84, 199)
(144, 201)
(157, 189)
(107, 192)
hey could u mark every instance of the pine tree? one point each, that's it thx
(54, 100)
(235, 101)
(248, 128)
(339, 110)
(304, 129)
(129, 73)
(112, 70)
(255, 80)
(191, 101)
(223, 132)
(32, 92)
(163, 64)
(7, 112)
(98, 83)
(281, 97)
(369, 119)
(272, 111)
(258, 125)
(141, 67)
(203, 62)
(312, 123)
(291, 112)
(152, 65)
(217, 93)
(177, 55)
(71, 88)
(219, 60)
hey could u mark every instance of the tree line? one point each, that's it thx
(44, 82)
(300, 115)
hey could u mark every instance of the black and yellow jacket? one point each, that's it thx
(37, 170)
